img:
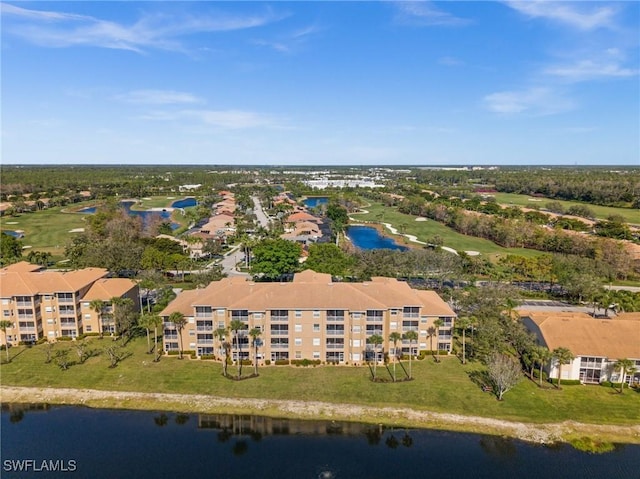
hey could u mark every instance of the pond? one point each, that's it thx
(145, 215)
(367, 237)
(315, 201)
(15, 234)
(100, 443)
(184, 203)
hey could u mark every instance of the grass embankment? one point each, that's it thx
(602, 212)
(443, 388)
(424, 230)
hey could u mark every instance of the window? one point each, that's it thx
(87, 316)
(192, 332)
(48, 297)
(6, 313)
(446, 322)
(298, 354)
(279, 329)
(316, 314)
(48, 309)
(298, 341)
(257, 315)
(335, 329)
(279, 315)
(356, 329)
(316, 355)
(356, 343)
(336, 315)
(87, 328)
(411, 311)
(356, 315)
(203, 311)
(220, 324)
(316, 341)
(220, 312)
(86, 305)
(298, 328)
(393, 325)
(51, 321)
(444, 346)
(374, 315)
(298, 314)
(316, 328)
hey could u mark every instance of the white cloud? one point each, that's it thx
(579, 15)
(532, 101)
(224, 119)
(589, 70)
(158, 97)
(425, 14)
(150, 31)
(449, 61)
(291, 42)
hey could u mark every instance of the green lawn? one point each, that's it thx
(426, 229)
(46, 230)
(442, 387)
(602, 212)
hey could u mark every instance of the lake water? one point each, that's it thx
(15, 234)
(315, 201)
(366, 237)
(103, 443)
(185, 203)
(145, 215)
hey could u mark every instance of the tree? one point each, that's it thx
(395, 337)
(464, 322)
(544, 356)
(4, 325)
(81, 350)
(562, 356)
(328, 258)
(98, 305)
(179, 321)
(626, 367)
(10, 248)
(375, 340)
(255, 340)
(115, 354)
(411, 336)
(431, 331)
(504, 372)
(155, 321)
(48, 350)
(273, 258)
(62, 359)
(124, 317)
(237, 326)
(145, 322)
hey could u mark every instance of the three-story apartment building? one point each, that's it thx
(311, 317)
(50, 304)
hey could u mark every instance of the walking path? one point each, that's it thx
(199, 403)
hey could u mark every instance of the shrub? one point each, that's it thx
(305, 362)
(609, 384)
(91, 334)
(443, 352)
(566, 382)
(536, 374)
(267, 362)
(282, 362)
(246, 362)
(173, 352)
(207, 356)
(41, 341)
(63, 338)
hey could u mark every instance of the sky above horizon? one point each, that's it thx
(321, 83)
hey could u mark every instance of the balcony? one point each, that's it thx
(279, 318)
(335, 332)
(335, 318)
(410, 328)
(205, 341)
(170, 336)
(280, 346)
(335, 345)
(374, 319)
(24, 304)
(278, 332)
(410, 315)
(205, 329)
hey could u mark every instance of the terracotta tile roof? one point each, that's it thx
(587, 336)
(17, 283)
(107, 288)
(302, 216)
(22, 267)
(310, 290)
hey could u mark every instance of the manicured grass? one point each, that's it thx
(427, 229)
(46, 230)
(601, 212)
(442, 387)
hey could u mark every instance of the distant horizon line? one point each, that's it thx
(301, 165)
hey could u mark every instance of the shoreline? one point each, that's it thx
(544, 433)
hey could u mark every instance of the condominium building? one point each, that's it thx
(311, 317)
(596, 343)
(51, 304)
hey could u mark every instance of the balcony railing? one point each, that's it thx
(335, 332)
(65, 300)
(374, 319)
(278, 332)
(204, 328)
(410, 315)
(26, 316)
(279, 346)
(205, 341)
(335, 346)
(279, 318)
(410, 328)
(24, 303)
(27, 330)
(335, 318)
(170, 336)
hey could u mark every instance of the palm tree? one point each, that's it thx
(544, 356)
(145, 322)
(97, 305)
(220, 334)
(255, 339)
(438, 323)
(626, 366)
(179, 321)
(395, 337)
(431, 331)
(155, 321)
(463, 323)
(4, 325)
(237, 325)
(563, 356)
(376, 340)
(411, 336)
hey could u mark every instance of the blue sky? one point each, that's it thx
(321, 83)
